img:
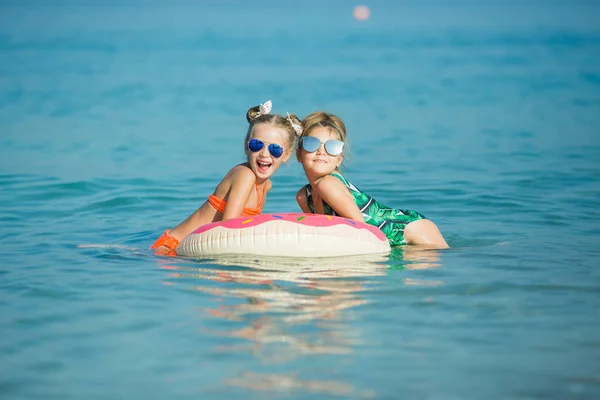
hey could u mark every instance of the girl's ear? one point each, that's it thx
(339, 160)
(286, 155)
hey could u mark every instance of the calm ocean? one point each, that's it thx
(116, 122)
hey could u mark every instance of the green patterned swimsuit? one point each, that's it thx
(390, 220)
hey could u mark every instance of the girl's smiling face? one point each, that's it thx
(262, 162)
(319, 163)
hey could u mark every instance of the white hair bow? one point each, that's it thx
(296, 127)
(265, 108)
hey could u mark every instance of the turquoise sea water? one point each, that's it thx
(116, 122)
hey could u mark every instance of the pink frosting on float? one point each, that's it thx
(299, 218)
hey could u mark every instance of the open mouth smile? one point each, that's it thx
(263, 166)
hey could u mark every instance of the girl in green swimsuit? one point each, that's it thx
(321, 151)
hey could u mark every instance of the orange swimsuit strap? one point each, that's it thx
(219, 204)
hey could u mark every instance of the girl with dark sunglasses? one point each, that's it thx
(321, 152)
(269, 142)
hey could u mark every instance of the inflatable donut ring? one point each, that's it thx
(285, 235)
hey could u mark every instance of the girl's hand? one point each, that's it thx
(163, 251)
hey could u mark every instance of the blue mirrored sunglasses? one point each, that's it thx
(332, 147)
(255, 145)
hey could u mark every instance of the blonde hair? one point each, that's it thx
(321, 119)
(255, 117)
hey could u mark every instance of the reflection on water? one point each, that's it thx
(293, 307)
(279, 382)
(415, 257)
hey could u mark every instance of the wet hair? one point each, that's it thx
(255, 117)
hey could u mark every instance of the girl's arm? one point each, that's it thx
(337, 195)
(242, 184)
(302, 201)
(189, 224)
(167, 243)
